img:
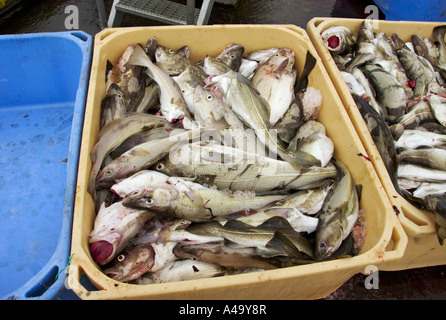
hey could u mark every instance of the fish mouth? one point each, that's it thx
(333, 42)
(100, 251)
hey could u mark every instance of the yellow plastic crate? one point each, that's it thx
(385, 240)
(423, 248)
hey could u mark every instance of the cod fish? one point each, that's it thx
(142, 137)
(419, 113)
(274, 235)
(228, 255)
(413, 139)
(295, 209)
(311, 138)
(252, 109)
(381, 135)
(113, 105)
(127, 76)
(369, 96)
(173, 107)
(275, 80)
(138, 259)
(434, 158)
(214, 67)
(387, 58)
(116, 132)
(338, 215)
(238, 170)
(188, 81)
(417, 68)
(181, 270)
(297, 112)
(140, 157)
(438, 106)
(422, 49)
(213, 112)
(232, 56)
(114, 226)
(174, 196)
(262, 55)
(176, 62)
(420, 173)
(390, 94)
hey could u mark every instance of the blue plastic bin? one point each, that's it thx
(43, 88)
(413, 10)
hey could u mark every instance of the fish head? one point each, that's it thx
(114, 226)
(328, 240)
(172, 61)
(338, 39)
(108, 175)
(161, 167)
(137, 183)
(103, 249)
(158, 198)
(232, 56)
(214, 66)
(366, 31)
(209, 107)
(283, 60)
(150, 48)
(131, 263)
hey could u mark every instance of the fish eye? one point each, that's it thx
(323, 244)
(277, 54)
(159, 166)
(109, 172)
(120, 258)
(209, 97)
(232, 57)
(149, 201)
(171, 51)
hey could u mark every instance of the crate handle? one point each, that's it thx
(414, 224)
(75, 282)
(100, 36)
(397, 244)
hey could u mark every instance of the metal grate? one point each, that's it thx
(163, 11)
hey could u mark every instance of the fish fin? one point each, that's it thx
(281, 243)
(310, 62)
(150, 48)
(236, 224)
(282, 66)
(184, 51)
(359, 188)
(163, 235)
(276, 222)
(281, 212)
(300, 159)
(197, 201)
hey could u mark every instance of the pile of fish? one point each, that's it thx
(215, 168)
(400, 90)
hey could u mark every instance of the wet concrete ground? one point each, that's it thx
(49, 15)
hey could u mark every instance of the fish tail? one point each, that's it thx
(441, 233)
(300, 159)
